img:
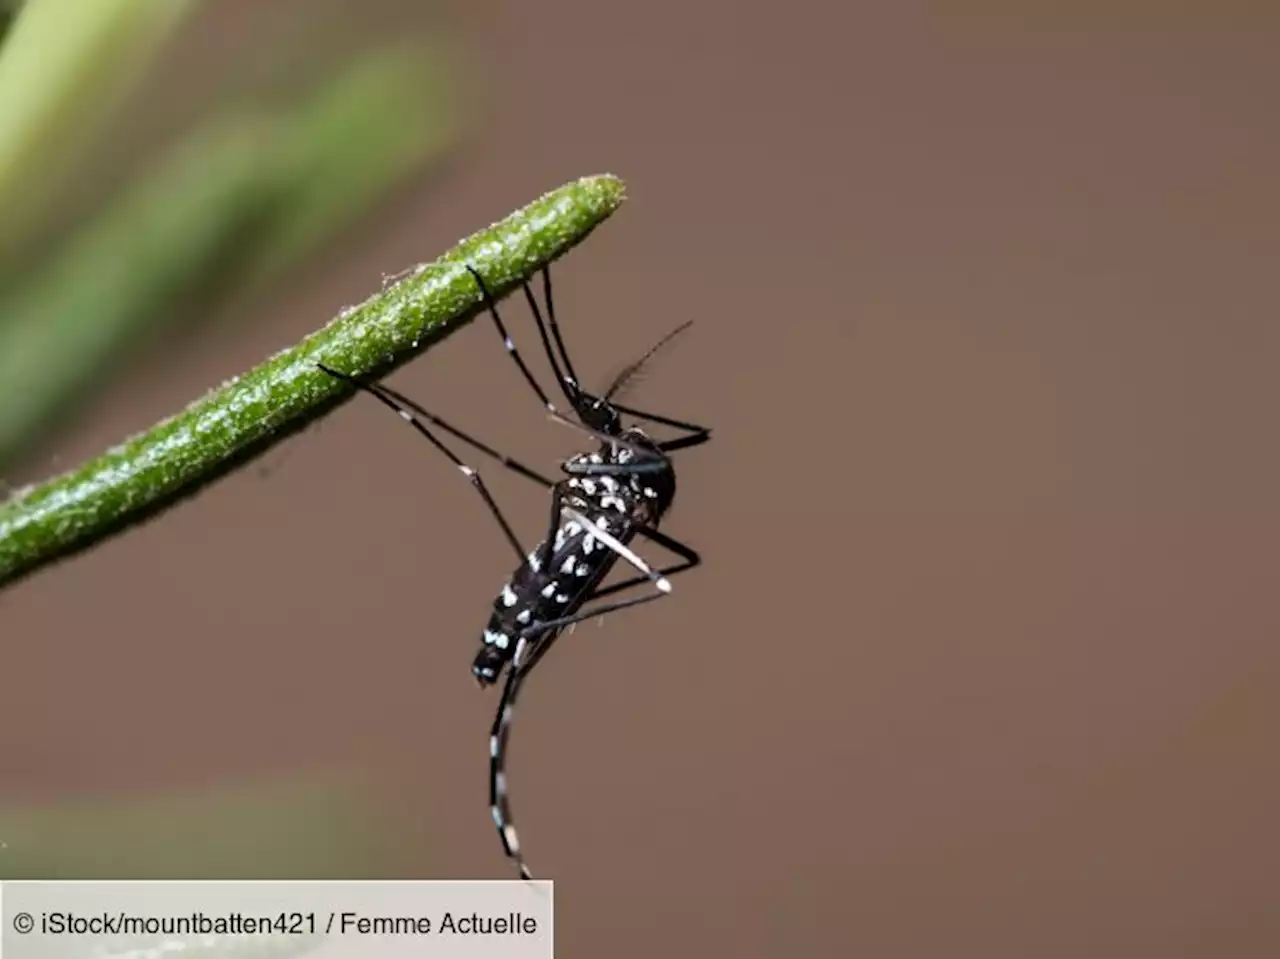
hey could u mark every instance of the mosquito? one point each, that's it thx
(610, 495)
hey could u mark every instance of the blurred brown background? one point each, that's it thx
(983, 658)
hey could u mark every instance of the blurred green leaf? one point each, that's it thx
(384, 117)
(110, 282)
(287, 829)
(64, 65)
(8, 10)
(235, 203)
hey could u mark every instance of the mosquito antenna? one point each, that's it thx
(631, 369)
(555, 327)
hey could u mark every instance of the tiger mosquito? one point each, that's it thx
(611, 495)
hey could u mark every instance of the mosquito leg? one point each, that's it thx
(698, 434)
(534, 644)
(551, 629)
(622, 549)
(555, 327)
(664, 420)
(499, 735)
(689, 560)
(492, 306)
(565, 376)
(509, 343)
(514, 465)
(538, 629)
(684, 442)
(472, 476)
(539, 638)
(660, 582)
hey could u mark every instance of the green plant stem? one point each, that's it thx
(250, 413)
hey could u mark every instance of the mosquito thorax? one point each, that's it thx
(660, 485)
(639, 437)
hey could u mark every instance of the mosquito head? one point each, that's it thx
(598, 414)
